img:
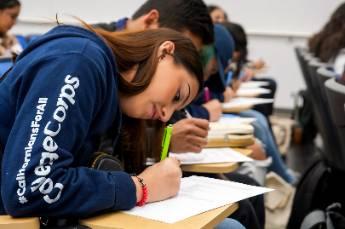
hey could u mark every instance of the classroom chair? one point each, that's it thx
(319, 185)
(325, 73)
(336, 97)
(300, 54)
(324, 122)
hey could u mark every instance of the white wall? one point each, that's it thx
(274, 27)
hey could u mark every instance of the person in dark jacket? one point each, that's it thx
(191, 18)
(64, 92)
(9, 11)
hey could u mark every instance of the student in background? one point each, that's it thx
(244, 68)
(9, 11)
(67, 89)
(329, 44)
(251, 211)
(217, 14)
(261, 128)
(208, 103)
(191, 19)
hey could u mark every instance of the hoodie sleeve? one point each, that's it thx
(58, 112)
(198, 111)
(217, 95)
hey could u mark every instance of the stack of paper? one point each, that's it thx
(253, 84)
(225, 119)
(211, 155)
(197, 195)
(221, 129)
(252, 92)
(227, 134)
(244, 102)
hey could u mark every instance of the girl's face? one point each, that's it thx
(218, 16)
(8, 18)
(172, 88)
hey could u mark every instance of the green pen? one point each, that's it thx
(166, 141)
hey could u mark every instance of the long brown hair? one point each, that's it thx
(327, 43)
(141, 49)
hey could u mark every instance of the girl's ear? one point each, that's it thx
(151, 19)
(167, 47)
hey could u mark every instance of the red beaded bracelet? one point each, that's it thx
(144, 190)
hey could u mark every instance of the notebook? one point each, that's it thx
(197, 195)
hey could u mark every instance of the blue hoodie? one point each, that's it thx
(224, 45)
(57, 101)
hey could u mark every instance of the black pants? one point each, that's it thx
(251, 211)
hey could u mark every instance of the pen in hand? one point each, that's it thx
(166, 142)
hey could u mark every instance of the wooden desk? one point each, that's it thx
(122, 220)
(7, 222)
(215, 167)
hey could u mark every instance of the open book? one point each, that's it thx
(197, 195)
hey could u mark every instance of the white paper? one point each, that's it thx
(251, 92)
(221, 129)
(253, 84)
(235, 120)
(211, 155)
(197, 195)
(239, 102)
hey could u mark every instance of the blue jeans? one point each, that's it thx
(263, 133)
(229, 224)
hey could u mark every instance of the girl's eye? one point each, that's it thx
(177, 97)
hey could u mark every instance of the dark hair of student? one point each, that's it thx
(141, 48)
(5, 4)
(331, 39)
(181, 15)
(211, 8)
(240, 38)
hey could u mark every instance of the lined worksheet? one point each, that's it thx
(197, 195)
(211, 155)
